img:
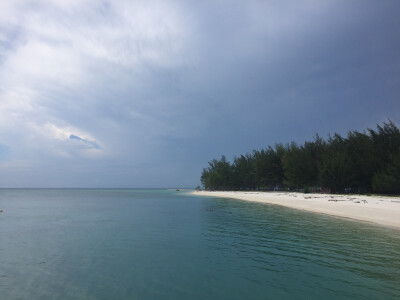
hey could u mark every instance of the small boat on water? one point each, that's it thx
(177, 190)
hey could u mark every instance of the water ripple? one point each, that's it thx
(351, 255)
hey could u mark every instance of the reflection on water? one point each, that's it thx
(160, 244)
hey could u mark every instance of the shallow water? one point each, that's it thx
(163, 244)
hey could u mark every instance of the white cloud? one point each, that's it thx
(58, 51)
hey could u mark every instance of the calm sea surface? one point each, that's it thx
(164, 244)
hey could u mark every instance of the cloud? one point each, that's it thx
(62, 61)
(111, 86)
(4, 152)
(64, 142)
(85, 142)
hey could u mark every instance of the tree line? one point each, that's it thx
(361, 162)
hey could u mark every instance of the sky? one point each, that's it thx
(141, 94)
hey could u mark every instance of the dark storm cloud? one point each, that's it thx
(166, 86)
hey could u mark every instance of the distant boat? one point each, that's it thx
(177, 190)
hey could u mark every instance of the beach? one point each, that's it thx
(377, 209)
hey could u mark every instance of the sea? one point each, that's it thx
(168, 244)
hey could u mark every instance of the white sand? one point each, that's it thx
(377, 209)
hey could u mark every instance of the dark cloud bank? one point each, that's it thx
(164, 88)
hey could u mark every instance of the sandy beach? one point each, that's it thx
(376, 209)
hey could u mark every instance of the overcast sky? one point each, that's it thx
(145, 93)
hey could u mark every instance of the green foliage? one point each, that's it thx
(360, 163)
(335, 172)
(386, 142)
(243, 172)
(361, 159)
(388, 180)
(300, 166)
(268, 167)
(218, 176)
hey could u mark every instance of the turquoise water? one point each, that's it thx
(163, 244)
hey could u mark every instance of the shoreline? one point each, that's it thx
(380, 210)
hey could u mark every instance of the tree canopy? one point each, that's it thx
(361, 162)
